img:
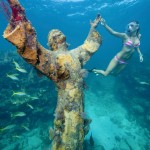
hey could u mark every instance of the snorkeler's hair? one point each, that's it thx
(138, 30)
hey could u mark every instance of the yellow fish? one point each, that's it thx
(7, 127)
(21, 70)
(25, 127)
(12, 76)
(34, 97)
(18, 114)
(16, 136)
(30, 106)
(19, 93)
(16, 64)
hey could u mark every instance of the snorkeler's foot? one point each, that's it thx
(91, 70)
(95, 71)
(104, 73)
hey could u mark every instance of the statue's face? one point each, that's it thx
(55, 39)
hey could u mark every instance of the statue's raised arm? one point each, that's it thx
(91, 44)
(22, 35)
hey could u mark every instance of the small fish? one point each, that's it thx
(34, 97)
(30, 106)
(16, 136)
(7, 127)
(19, 93)
(18, 114)
(144, 83)
(21, 70)
(25, 127)
(16, 64)
(12, 76)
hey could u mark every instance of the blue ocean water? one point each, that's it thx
(127, 94)
(72, 17)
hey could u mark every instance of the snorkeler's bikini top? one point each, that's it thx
(129, 43)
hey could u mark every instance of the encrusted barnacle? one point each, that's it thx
(96, 34)
(59, 115)
(73, 92)
(58, 123)
(63, 75)
(71, 106)
(58, 137)
(52, 67)
(51, 133)
(68, 148)
(75, 105)
(68, 106)
(61, 85)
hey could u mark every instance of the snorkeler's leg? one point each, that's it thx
(118, 69)
(113, 63)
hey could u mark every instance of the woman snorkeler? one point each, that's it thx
(131, 41)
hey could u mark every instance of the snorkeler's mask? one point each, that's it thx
(132, 26)
(55, 39)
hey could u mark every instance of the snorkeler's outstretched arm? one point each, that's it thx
(140, 54)
(139, 51)
(91, 44)
(22, 35)
(110, 30)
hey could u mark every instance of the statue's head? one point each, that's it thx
(56, 39)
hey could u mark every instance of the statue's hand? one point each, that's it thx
(13, 2)
(96, 21)
(17, 11)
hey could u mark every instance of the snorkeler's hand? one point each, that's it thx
(103, 22)
(141, 58)
(96, 21)
(139, 36)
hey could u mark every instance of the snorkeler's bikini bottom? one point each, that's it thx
(120, 61)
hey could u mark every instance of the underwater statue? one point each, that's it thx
(61, 65)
